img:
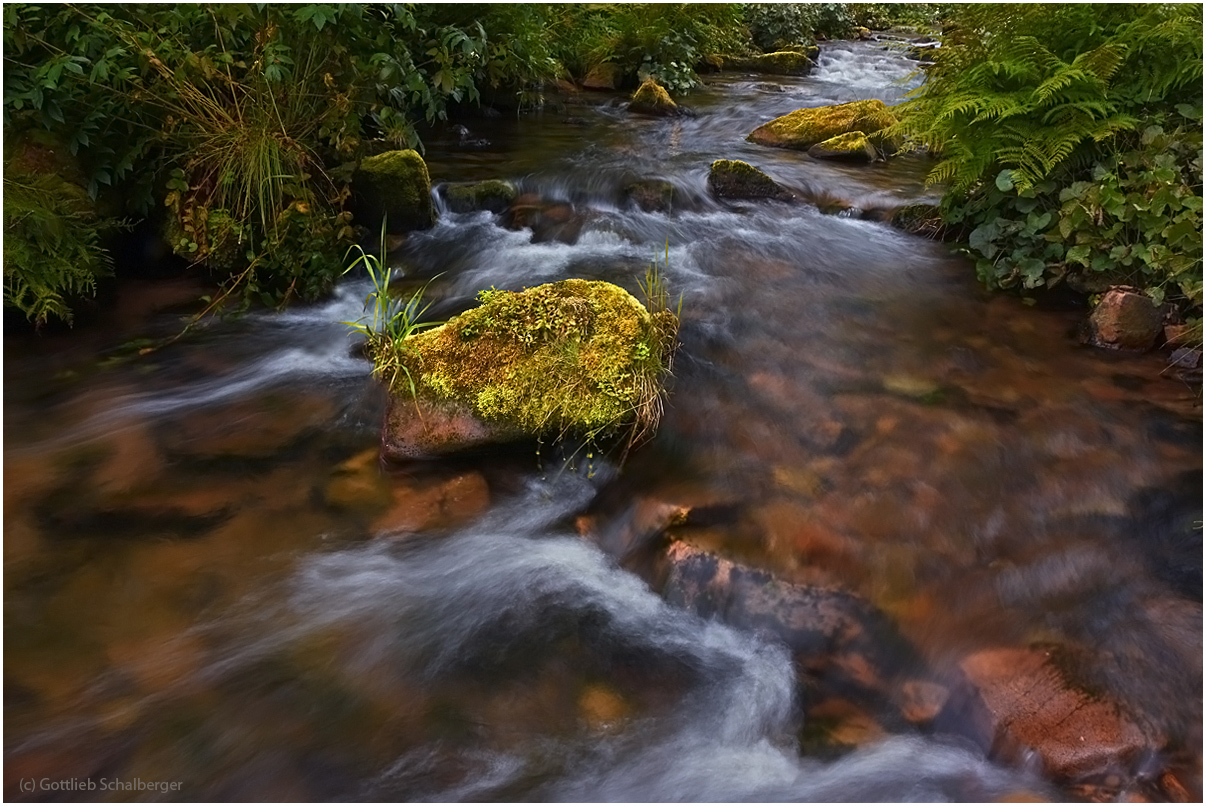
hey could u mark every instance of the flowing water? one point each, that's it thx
(210, 581)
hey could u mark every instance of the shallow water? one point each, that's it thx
(209, 580)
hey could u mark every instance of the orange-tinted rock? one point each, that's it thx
(433, 504)
(638, 526)
(921, 701)
(1019, 698)
(602, 707)
(1125, 319)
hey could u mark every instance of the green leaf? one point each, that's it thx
(1005, 180)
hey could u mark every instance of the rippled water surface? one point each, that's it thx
(208, 578)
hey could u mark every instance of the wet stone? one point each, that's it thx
(430, 504)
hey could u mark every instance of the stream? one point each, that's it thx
(209, 580)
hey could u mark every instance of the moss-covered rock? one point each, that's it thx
(733, 179)
(210, 236)
(651, 195)
(651, 98)
(495, 195)
(394, 186)
(804, 128)
(575, 356)
(605, 76)
(848, 146)
(780, 63)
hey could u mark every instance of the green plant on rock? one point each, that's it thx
(393, 322)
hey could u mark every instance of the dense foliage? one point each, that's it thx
(1070, 139)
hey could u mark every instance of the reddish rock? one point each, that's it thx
(421, 429)
(1125, 319)
(1014, 699)
(637, 527)
(432, 504)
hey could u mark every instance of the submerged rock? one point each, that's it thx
(394, 186)
(651, 98)
(1125, 319)
(575, 356)
(733, 179)
(495, 195)
(848, 146)
(1014, 700)
(840, 642)
(804, 128)
(651, 195)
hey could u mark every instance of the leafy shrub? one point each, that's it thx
(776, 26)
(1071, 143)
(52, 245)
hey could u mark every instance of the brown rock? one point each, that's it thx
(921, 701)
(422, 429)
(639, 526)
(358, 483)
(1018, 698)
(1125, 319)
(601, 707)
(434, 504)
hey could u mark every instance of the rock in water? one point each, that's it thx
(848, 146)
(780, 63)
(576, 356)
(495, 195)
(651, 195)
(394, 186)
(733, 179)
(605, 76)
(651, 98)
(1125, 319)
(804, 128)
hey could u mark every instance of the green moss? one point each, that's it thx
(395, 185)
(734, 179)
(805, 128)
(850, 146)
(651, 98)
(576, 355)
(494, 195)
(780, 63)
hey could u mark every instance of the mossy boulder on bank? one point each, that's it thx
(780, 63)
(651, 98)
(576, 356)
(604, 76)
(733, 179)
(396, 188)
(849, 146)
(804, 128)
(494, 195)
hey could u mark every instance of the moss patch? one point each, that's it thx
(733, 179)
(575, 355)
(395, 185)
(780, 63)
(651, 98)
(494, 195)
(848, 146)
(804, 128)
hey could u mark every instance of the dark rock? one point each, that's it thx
(733, 179)
(839, 641)
(1186, 358)
(651, 195)
(1125, 319)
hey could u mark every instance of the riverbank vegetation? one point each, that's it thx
(1068, 136)
(1070, 145)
